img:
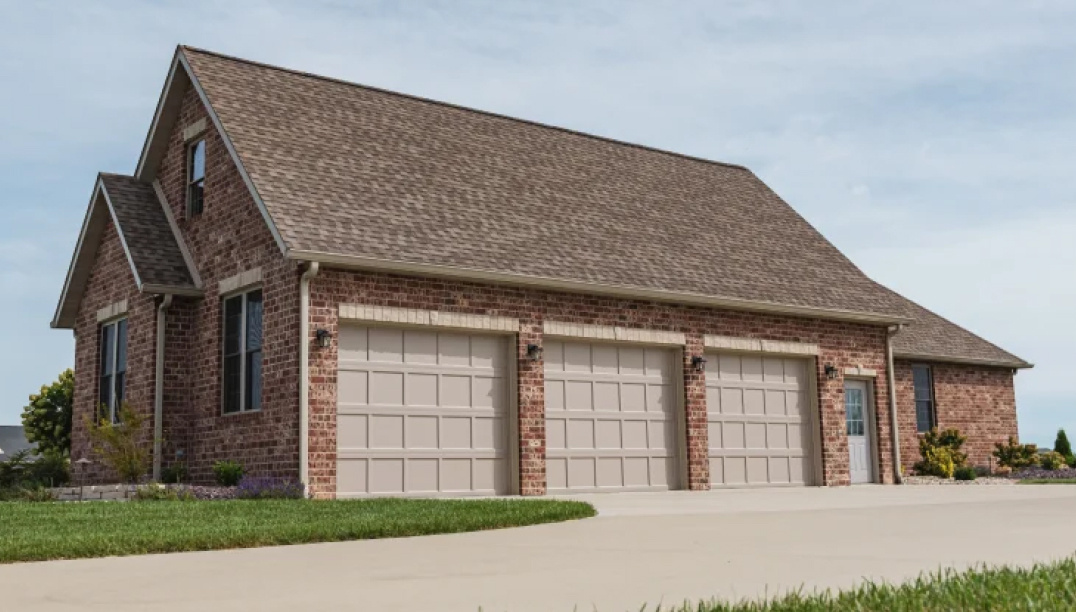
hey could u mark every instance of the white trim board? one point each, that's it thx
(757, 345)
(614, 333)
(436, 318)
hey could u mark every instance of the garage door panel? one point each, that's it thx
(615, 428)
(759, 431)
(421, 412)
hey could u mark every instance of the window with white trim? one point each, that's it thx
(195, 177)
(243, 352)
(923, 381)
(112, 378)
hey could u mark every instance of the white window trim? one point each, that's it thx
(242, 349)
(114, 324)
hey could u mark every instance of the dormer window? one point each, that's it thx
(195, 177)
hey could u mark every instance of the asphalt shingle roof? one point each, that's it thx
(933, 336)
(352, 170)
(152, 245)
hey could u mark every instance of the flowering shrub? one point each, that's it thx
(264, 487)
(228, 473)
(941, 453)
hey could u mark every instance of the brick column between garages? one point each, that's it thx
(698, 441)
(531, 377)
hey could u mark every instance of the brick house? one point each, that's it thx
(381, 294)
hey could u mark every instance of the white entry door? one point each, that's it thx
(857, 421)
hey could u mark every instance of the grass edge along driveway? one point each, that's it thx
(45, 531)
(1045, 586)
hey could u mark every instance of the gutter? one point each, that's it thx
(890, 375)
(640, 293)
(304, 373)
(158, 387)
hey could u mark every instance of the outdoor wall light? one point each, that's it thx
(324, 338)
(831, 371)
(534, 352)
(698, 362)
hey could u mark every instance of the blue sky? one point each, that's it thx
(932, 142)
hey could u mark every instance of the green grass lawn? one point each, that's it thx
(1044, 587)
(41, 531)
(1048, 481)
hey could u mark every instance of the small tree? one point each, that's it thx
(47, 418)
(1062, 446)
(119, 445)
(1014, 455)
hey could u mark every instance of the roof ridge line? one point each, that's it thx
(469, 109)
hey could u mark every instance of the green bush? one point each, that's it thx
(22, 471)
(941, 453)
(1015, 455)
(47, 418)
(965, 473)
(938, 462)
(36, 494)
(1052, 460)
(1063, 448)
(120, 445)
(228, 473)
(175, 474)
(156, 492)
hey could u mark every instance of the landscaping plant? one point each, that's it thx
(157, 492)
(264, 487)
(965, 473)
(228, 473)
(1052, 461)
(1062, 447)
(23, 472)
(174, 474)
(47, 418)
(119, 445)
(1015, 455)
(941, 452)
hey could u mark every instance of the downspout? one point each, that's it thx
(304, 373)
(158, 388)
(890, 376)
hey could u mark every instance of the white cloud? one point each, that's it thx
(929, 141)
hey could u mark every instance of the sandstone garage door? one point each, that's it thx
(611, 417)
(421, 412)
(759, 416)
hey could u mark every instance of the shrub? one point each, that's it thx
(47, 418)
(175, 474)
(156, 492)
(1063, 448)
(119, 444)
(965, 473)
(36, 494)
(1052, 460)
(937, 461)
(22, 471)
(1015, 455)
(941, 453)
(260, 487)
(228, 473)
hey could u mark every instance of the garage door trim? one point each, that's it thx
(788, 350)
(465, 324)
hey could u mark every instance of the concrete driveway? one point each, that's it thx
(644, 548)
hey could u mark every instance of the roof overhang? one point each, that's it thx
(98, 213)
(992, 363)
(180, 76)
(488, 276)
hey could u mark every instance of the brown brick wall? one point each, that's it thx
(842, 344)
(229, 237)
(111, 280)
(979, 401)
